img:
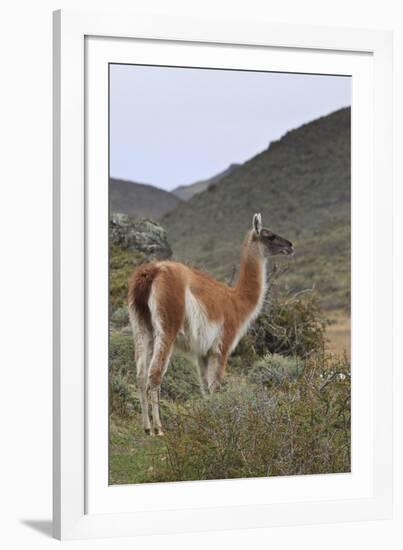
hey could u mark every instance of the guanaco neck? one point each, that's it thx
(251, 285)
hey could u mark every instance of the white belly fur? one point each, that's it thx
(199, 335)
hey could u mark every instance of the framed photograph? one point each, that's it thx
(223, 292)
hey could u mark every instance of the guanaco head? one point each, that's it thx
(269, 243)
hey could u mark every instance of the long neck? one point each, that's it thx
(251, 285)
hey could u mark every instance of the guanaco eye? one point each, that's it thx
(271, 237)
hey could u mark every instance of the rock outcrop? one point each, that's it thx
(139, 234)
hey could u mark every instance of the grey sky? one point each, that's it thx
(174, 126)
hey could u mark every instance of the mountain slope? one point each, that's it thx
(186, 192)
(301, 185)
(139, 199)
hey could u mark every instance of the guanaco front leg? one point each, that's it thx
(216, 368)
(202, 364)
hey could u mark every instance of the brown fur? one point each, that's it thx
(169, 280)
(139, 290)
(231, 308)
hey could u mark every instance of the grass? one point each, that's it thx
(132, 453)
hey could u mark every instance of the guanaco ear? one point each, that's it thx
(257, 223)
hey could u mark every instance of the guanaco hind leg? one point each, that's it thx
(166, 320)
(159, 363)
(143, 348)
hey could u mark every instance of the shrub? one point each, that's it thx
(120, 317)
(123, 399)
(275, 369)
(121, 355)
(287, 325)
(121, 265)
(300, 426)
(122, 391)
(181, 381)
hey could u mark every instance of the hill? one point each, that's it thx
(301, 185)
(186, 192)
(140, 199)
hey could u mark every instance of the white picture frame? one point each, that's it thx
(84, 505)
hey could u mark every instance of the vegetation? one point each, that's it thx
(276, 414)
(282, 417)
(299, 423)
(121, 265)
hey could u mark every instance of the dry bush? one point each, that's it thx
(290, 324)
(274, 370)
(301, 425)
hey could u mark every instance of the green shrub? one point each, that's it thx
(121, 265)
(122, 391)
(181, 381)
(120, 317)
(121, 355)
(300, 426)
(275, 369)
(123, 399)
(287, 325)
